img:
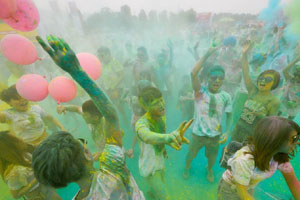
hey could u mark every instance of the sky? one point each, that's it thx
(215, 6)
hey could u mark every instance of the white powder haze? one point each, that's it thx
(216, 6)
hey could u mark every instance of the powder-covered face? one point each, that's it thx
(20, 104)
(290, 145)
(215, 81)
(265, 82)
(157, 107)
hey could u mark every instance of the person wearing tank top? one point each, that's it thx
(261, 102)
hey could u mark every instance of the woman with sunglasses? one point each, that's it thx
(260, 103)
(270, 148)
(71, 160)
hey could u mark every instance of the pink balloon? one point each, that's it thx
(7, 8)
(90, 64)
(32, 87)
(26, 18)
(62, 89)
(18, 49)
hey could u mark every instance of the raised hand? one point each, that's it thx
(177, 137)
(247, 46)
(130, 153)
(224, 138)
(66, 59)
(211, 51)
(60, 109)
(60, 52)
(182, 129)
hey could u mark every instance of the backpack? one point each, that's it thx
(228, 153)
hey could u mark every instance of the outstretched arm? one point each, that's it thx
(171, 53)
(66, 59)
(293, 183)
(50, 118)
(286, 70)
(21, 192)
(243, 192)
(199, 66)
(194, 51)
(248, 82)
(173, 139)
(68, 108)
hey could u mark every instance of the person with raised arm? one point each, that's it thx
(210, 104)
(72, 160)
(260, 103)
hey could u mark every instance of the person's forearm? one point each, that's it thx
(134, 139)
(198, 66)
(245, 195)
(150, 137)
(73, 108)
(26, 189)
(101, 101)
(288, 67)
(56, 122)
(229, 122)
(293, 184)
(246, 74)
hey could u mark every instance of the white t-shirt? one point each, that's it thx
(29, 125)
(244, 172)
(204, 125)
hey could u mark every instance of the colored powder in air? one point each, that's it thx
(293, 11)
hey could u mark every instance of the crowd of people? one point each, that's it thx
(236, 88)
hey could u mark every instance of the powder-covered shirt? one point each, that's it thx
(28, 125)
(204, 125)
(113, 181)
(244, 172)
(151, 156)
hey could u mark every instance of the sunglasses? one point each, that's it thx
(83, 141)
(266, 79)
(215, 77)
(295, 139)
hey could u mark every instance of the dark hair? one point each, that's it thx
(276, 75)
(148, 94)
(9, 94)
(269, 135)
(59, 160)
(13, 152)
(89, 107)
(217, 68)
